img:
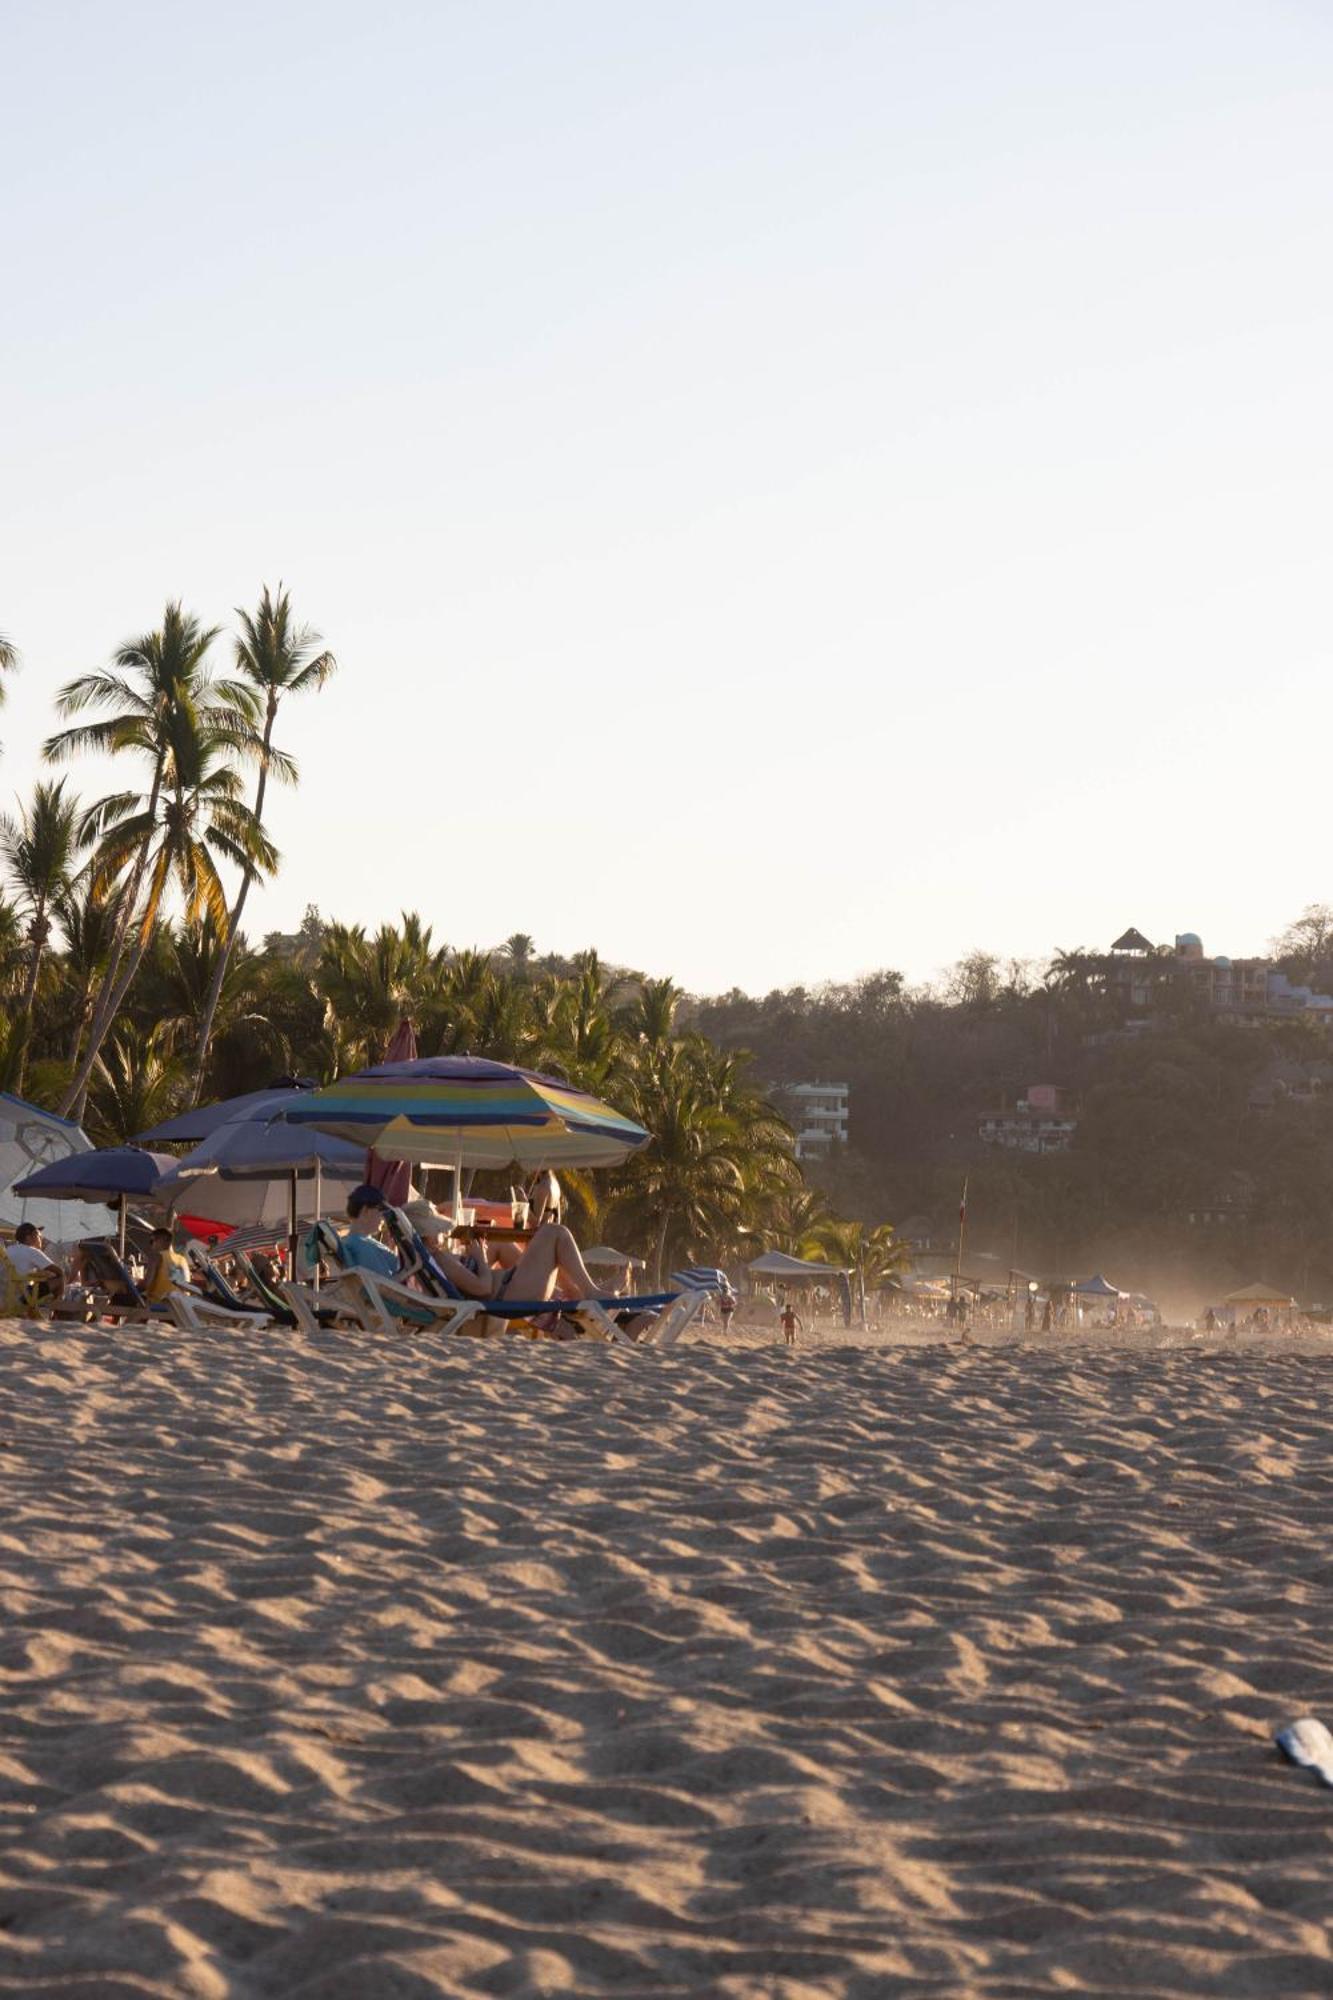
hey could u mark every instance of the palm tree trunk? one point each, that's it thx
(113, 990)
(133, 960)
(233, 922)
(29, 994)
(659, 1258)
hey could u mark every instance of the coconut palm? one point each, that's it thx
(87, 919)
(157, 696)
(275, 657)
(136, 1083)
(176, 978)
(519, 950)
(686, 1189)
(39, 847)
(794, 1217)
(651, 1015)
(9, 659)
(369, 983)
(181, 832)
(875, 1255)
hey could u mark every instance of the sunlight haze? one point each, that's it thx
(791, 489)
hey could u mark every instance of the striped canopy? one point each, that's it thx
(442, 1111)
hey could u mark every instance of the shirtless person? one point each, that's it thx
(790, 1323)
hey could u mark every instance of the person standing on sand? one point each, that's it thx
(1047, 1317)
(790, 1322)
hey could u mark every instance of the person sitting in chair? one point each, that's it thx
(361, 1247)
(167, 1270)
(28, 1257)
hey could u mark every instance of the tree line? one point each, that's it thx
(132, 991)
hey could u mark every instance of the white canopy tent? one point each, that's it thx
(777, 1265)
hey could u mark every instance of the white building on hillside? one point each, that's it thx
(818, 1112)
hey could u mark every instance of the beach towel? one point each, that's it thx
(1307, 1742)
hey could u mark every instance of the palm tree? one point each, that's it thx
(687, 1186)
(875, 1255)
(158, 696)
(9, 659)
(135, 1084)
(275, 657)
(794, 1218)
(369, 983)
(651, 1015)
(200, 820)
(87, 919)
(39, 848)
(519, 950)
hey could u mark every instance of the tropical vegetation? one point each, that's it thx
(129, 989)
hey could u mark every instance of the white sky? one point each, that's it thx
(793, 487)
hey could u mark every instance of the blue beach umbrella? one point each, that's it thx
(116, 1175)
(250, 1170)
(188, 1128)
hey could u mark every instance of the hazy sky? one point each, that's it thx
(792, 487)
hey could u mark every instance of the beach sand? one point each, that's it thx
(370, 1671)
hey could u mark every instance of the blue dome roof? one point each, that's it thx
(1190, 937)
(1223, 961)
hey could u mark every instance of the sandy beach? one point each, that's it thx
(369, 1671)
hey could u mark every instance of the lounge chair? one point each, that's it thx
(105, 1270)
(296, 1305)
(377, 1303)
(215, 1305)
(595, 1317)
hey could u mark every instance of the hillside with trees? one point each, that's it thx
(1203, 1147)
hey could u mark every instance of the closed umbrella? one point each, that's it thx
(465, 1111)
(116, 1175)
(394, 1177)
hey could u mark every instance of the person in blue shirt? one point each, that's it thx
(361, 1246)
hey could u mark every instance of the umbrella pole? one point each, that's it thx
(319, 1192)
(293, 1226)
(458, 1185)
(121, 1232)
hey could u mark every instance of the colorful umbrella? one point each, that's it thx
(394, 1177)
(463, 1111)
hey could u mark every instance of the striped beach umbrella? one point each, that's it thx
(463, 1111)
